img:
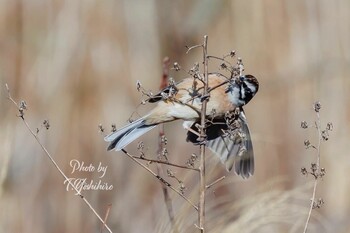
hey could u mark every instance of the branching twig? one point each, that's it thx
(78, 193)
(318, 125)
(161, 146)
(160, 171)
(160, 179)
(165, 162)
(316, 171)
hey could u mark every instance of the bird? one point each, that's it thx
(183, 101)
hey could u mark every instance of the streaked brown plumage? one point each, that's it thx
(165, 111)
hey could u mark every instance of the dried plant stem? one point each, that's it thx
(78, 193)
(202, 186)
(160, 179)
(164, 162)
(167, 199)
(318, 126)
(106, 217)
(193, 47)
(215, 182)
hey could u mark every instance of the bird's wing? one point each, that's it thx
(232, 149)
(244, 164)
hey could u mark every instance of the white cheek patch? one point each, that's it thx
(234, 96)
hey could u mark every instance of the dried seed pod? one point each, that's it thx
(304, 125)
(317, 106)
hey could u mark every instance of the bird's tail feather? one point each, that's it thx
(122, 137)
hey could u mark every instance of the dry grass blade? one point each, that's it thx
(270, 209)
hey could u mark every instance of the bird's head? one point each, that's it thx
(241, 90)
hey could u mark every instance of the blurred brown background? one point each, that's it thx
(76, 63)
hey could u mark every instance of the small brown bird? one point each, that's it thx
(184, 101)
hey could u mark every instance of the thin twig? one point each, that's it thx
(161, 145)
(167, 199)
(9, 96)
(215, 182)
(193, 47)
(216, 86)
(220, 59)
(164, 162)
(78, 193)
(160, 179)
(160, 172)
(318, 126)
(202, 189)
(106, 217)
